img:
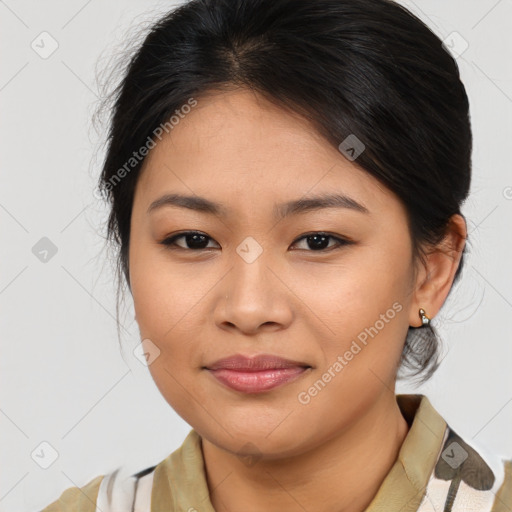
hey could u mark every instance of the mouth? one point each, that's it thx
(256, 374)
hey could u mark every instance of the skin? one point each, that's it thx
(200, 305)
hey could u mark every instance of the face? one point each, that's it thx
(329, 287)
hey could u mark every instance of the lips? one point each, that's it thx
(256, 374)
(256, 363)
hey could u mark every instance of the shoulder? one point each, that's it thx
(467, 476)
(503, 501)
(79, 499)
(116, 491)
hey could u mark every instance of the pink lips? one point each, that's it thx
(256, 374)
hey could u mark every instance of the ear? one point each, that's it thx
(435, 277)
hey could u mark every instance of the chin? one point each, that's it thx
(254, 440)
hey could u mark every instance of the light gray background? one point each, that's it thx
(64, 380)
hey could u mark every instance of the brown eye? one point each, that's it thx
(193, 240)
(320, 241)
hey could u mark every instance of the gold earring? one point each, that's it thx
(425, 320)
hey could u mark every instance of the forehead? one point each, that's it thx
(237, 146)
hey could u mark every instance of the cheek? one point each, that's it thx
(165, 294)
(351, 296)
(171, 319)
(167, 315)
(365, 309)
(362, 311)
(164, 300)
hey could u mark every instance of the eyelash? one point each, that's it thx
(170, 242)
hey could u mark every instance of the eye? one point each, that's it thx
(319, 241)
(194, 240)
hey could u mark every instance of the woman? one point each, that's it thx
(286, 180)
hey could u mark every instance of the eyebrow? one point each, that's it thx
(281, 210)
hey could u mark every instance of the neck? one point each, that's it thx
(343, 474)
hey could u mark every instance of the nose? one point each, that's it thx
(254, 297)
